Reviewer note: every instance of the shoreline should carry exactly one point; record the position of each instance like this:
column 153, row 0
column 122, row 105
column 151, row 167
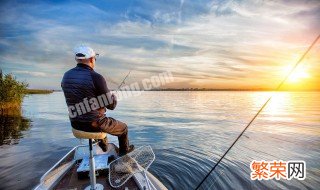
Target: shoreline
column 13, row 108
column 207, row 90
column 39, row 91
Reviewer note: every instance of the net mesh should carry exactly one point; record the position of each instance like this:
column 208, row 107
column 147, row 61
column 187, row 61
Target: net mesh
column 123, row 168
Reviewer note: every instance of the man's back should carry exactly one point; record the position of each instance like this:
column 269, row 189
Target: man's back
column 78, row 84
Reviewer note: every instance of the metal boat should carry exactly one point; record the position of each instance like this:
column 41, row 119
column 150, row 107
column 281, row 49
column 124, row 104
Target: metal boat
column 74, row 169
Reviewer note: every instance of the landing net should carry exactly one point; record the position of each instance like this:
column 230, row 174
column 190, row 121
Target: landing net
column 123, row 168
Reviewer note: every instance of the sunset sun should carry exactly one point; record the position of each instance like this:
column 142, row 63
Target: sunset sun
column 298, row 75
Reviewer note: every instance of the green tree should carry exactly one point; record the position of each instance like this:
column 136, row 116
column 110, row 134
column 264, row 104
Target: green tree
column 12, row 91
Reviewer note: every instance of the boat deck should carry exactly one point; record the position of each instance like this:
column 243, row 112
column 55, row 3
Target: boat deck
column 71, row 181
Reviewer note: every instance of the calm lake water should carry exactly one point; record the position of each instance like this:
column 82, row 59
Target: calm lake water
column 189, row 131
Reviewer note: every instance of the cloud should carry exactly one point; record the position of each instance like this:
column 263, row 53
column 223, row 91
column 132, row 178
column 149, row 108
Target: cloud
column 35, row 74
column 214, row 42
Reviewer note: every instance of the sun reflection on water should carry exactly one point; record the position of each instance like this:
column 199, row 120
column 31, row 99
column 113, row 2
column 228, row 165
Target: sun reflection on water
column 279, row 103
column 284, row 114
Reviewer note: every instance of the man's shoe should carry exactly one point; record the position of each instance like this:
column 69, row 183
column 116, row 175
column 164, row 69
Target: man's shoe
column 130, row 149
column 103, row 144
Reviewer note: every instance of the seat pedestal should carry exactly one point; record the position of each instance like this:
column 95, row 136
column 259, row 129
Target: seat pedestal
column 93, row 184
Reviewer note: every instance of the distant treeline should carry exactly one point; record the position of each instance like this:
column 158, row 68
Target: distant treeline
column 38, row 91
column 227, row 89
column 206, row 89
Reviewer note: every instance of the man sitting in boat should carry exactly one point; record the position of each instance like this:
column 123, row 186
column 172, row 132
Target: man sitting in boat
column 88, row 97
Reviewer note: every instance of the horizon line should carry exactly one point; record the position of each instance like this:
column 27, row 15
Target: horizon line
column 203, row 89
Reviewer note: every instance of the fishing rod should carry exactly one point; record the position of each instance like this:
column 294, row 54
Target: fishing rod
column 256, row 115
column 123, row 81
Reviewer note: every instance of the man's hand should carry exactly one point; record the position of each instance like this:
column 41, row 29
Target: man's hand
column 114, row 103
column 102, row 111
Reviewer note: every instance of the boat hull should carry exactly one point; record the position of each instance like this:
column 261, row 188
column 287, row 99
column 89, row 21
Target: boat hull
column 63, row 175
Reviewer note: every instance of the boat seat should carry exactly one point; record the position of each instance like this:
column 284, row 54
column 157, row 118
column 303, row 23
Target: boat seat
column 88, row 135
column 91, row 135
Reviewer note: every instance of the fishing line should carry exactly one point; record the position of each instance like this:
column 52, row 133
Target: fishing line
column 255, row 116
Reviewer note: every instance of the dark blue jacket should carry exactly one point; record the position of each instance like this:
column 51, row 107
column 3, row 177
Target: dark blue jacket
column 79, row 83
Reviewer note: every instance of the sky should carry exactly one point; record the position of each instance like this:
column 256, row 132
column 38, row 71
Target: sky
column 221, row 44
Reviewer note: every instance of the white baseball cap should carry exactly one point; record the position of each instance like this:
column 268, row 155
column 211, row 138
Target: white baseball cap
column 84, row 52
